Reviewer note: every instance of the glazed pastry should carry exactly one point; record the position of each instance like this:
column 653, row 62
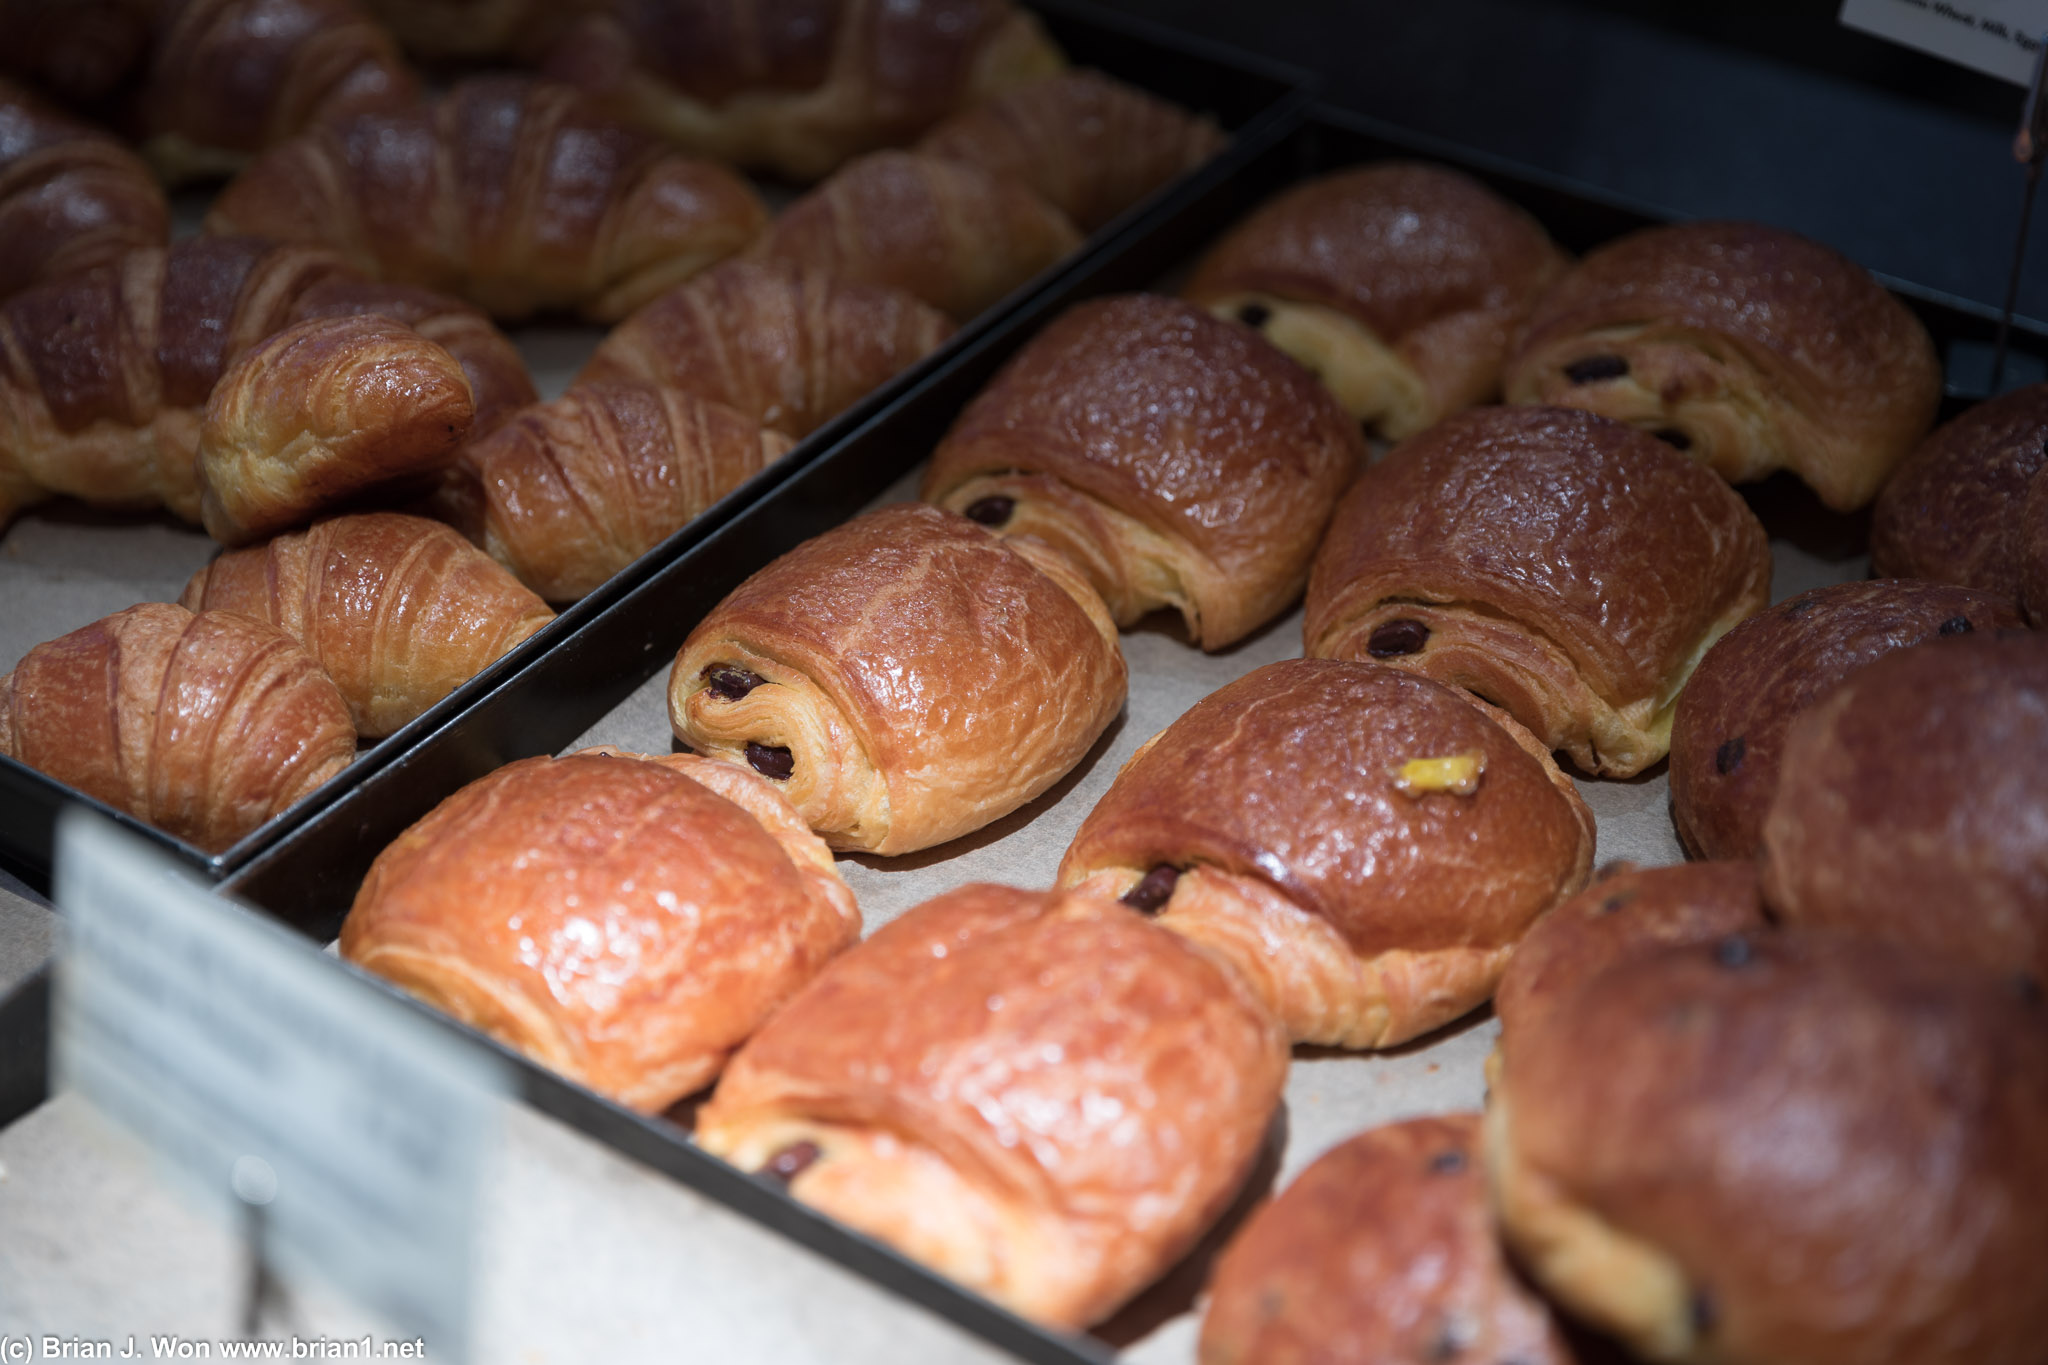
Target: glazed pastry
column 953, row 235
column 1569, row 569
column 1400, row 285
column 71, row 197
column 1728, row 732
column 797, row 88
column 1089, row 145
column 566, row 494
column 624, row 921
column 2033, row 538
column 1383, row 1250
column 204, row 726
column 1365, row 846
column 400, row 610
column 320, row 412
column 1177, row 460
column 1074, row 1098
column 505, row 191
column 906, row 678
column 1952, row 512
column 1911, row 803
column 1787, row 1147
column 789, row 347
column 1749, row 347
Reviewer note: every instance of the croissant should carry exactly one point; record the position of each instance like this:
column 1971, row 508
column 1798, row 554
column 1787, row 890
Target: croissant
column 71, row 196
column 788, row 346
column 1087, row 144
column 400, row 610
column 506, row 191
column 908, row 677
column 566, row 494
column 625, row 921
column 228, row 79
column 1039, row 1095
column 205, row 726
column 798, row 87
column 953, row 235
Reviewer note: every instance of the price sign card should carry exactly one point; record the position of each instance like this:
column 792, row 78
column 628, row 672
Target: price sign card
column 345, row 1132
column 1997, row 37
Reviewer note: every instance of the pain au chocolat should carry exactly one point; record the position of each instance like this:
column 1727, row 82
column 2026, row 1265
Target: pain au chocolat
column 1569, row 569
column 1401, row 285
column 624, row 920
column 1749, row 347
column 1073, row 1096
column 1364, row 845
column 1179, row 460
column 904, row 678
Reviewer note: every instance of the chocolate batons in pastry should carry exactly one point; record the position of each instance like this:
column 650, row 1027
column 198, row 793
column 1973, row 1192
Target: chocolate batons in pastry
column 204, row 726
column 400, row 610
column 320, row 412
column 1912, row 801
column 1569, row 569
column 72, row 196
column 1180, row 461
column 1784, row 1147
column 1400, row 285
column 1073, row 1098
column 791, row 347
column 1087, row 144
column 1751, row 348
column 626, row 921
column 1381, row 1251
column 1728, row 732
column 1364, row 845
column 906, row 678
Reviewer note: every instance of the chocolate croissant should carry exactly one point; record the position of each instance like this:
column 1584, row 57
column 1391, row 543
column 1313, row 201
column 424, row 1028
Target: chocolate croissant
column 1365, row 846
column 1567, row 568
column 566, row 494
column 1089, row 145
column 1401, row 285
column 1074, row 1097
column 906, row 678
column 1750, row 347
column 788, row 346
column 506, row 191
column 400, row 610
column 204, row 726
column 320, row 412
column 1178, row 460
column 624, row 920
column 71, row 196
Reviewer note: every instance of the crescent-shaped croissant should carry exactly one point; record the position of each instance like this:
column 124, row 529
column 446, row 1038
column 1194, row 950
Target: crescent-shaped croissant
column 71, row 196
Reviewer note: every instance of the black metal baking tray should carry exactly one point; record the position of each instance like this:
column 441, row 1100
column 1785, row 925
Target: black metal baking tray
column 1258, row 102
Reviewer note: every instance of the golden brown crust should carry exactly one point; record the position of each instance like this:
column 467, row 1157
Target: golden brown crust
column 611, row 917
column 1763, row 350
column 71, row 196
column 1786, row 1147
column 400, row 610
column 788, row 346
column 1093, row 1089
column 1911, row 803
column 1382, row 1251
column 921, row 677
column 205, row 726
column 1565, row 567
column 1728, row 733
column 1952, row 511
column 1176, row 458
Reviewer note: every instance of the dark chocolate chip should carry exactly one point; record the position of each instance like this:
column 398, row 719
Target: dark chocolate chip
column 1396, row 638
column 1957, row 625
column 1154, row 890
column 1617, row 901
column 775, row 763
column 792, row 1161
column 1447, row 1162
column 729, row 683
column 1254, row 314
column 1734, row 951
column 2028, row 989
column 991, row 511
column 1595, row 368
column 1729, row 756
column 1673, row 437
column 1704, row 1315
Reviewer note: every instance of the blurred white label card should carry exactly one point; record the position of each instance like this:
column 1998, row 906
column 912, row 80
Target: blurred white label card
column 272, row 1080
column 1997, row 37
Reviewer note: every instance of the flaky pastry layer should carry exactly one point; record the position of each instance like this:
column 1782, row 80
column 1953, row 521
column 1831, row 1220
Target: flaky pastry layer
column 1374, row 382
